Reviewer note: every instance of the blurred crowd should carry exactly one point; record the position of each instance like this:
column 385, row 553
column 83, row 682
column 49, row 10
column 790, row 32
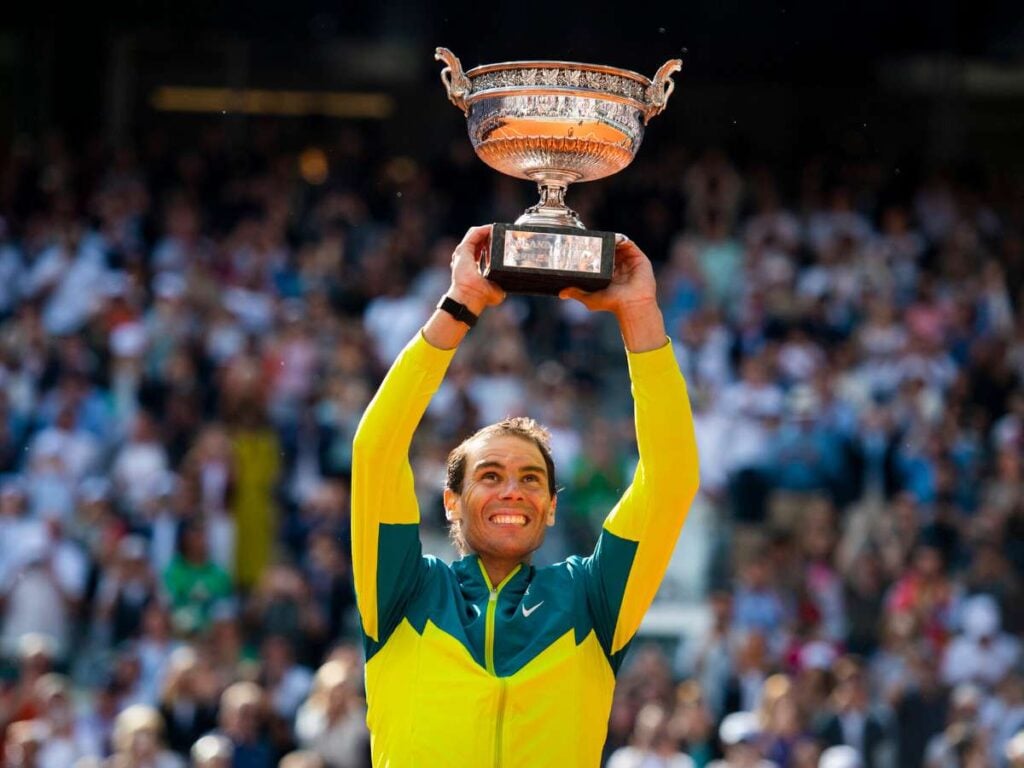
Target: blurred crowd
column 189, row 335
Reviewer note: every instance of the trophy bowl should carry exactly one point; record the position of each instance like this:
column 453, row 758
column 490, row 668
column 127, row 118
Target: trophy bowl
column 555, row 122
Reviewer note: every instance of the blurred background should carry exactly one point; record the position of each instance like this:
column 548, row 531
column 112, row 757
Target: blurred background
column 219, row 225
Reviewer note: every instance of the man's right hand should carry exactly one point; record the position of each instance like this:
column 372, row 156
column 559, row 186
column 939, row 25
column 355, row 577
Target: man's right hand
column 468, row 286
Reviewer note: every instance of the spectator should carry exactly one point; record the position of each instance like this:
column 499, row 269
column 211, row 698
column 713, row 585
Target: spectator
column 281, row 605
column 207, row 477
column 141, row 464
column 780, row 719
column 709, row 660
column 652, row 743
column 331, row 721
column 982, row 654
column 187, row 706
column 42, row 595
column 921, row 711
column 194, row 583
column 850, row 721
column 945, row 749
column 758, row 606
column 65, row 742
column 243, row 722
column 138, row 740
column 740, row 734
column 126, row 590
column 285, row 682
column 693, row 724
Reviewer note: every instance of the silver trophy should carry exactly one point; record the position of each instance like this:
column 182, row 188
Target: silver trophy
column 555, row 123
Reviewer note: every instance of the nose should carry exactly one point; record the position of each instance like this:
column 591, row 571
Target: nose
column 512, row 489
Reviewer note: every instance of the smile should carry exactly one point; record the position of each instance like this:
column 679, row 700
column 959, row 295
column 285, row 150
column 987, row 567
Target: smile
column 508, row 519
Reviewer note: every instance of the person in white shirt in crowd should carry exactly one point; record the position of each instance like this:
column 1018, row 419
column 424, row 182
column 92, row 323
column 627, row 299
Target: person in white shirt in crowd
column 78, row 449
column 68, row 277
column 982, row 653
column 393, row 317
column 141, row 464
column 754, row 404
column 740, row 733
column 48, row 483
column 43, row 588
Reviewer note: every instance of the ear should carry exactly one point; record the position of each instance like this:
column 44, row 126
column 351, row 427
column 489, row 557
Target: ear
column 452, row 505
column 550, row 520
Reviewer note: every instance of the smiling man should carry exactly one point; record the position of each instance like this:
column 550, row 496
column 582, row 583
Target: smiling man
column 491, row 661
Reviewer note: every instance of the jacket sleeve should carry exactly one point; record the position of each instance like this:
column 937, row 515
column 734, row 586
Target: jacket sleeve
column 386, row 552
column 640, row 533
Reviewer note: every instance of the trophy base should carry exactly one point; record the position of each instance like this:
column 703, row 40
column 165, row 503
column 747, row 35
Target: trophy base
column 544, row 260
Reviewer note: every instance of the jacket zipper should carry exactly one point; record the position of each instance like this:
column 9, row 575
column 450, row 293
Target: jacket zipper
column 492, row 606
column 500, row 723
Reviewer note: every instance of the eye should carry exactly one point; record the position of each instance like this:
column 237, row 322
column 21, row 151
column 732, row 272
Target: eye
column 489, row 477
column 531, row 478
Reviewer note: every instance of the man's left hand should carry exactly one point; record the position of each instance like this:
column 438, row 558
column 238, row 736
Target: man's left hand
column 631, row 296
column 632, row 286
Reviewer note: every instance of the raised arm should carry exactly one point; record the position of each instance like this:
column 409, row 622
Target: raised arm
column 640, row 534
column 386, row 559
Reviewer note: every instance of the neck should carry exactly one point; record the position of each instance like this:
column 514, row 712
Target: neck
column 497, row 569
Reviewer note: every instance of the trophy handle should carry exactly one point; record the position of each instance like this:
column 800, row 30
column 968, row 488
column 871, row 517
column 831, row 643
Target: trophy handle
column 660, row 89
column 455, row 82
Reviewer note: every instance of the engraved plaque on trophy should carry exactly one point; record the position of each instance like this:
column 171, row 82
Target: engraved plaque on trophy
column 555, row 123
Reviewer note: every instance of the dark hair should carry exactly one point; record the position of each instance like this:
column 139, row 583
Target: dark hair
column 520, row 426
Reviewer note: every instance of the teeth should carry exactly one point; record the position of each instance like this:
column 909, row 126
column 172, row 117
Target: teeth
column 509, row 519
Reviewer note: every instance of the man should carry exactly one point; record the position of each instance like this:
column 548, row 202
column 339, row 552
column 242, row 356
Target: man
column 850, row 721
column 491, row 661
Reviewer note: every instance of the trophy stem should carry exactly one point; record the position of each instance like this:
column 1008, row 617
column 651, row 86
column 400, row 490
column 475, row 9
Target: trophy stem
column 551, row 210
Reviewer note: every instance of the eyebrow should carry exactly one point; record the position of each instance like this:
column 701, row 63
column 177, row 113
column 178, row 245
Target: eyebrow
column 498, row 465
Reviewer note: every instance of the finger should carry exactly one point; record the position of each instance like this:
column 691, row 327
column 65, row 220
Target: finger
column 476, row 237
column 626, row 246
column 497, row 293
column 583, row 297
column 628, row 254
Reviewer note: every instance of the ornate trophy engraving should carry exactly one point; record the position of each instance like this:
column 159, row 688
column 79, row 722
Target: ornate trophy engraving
column 555, row 123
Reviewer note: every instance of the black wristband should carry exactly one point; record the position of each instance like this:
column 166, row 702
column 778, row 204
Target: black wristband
column 457, row 310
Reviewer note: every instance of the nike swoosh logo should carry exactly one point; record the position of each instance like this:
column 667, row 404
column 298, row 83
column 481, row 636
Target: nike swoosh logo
column 527, row 612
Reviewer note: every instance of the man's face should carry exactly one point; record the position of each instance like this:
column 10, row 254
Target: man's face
column 505, row 507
